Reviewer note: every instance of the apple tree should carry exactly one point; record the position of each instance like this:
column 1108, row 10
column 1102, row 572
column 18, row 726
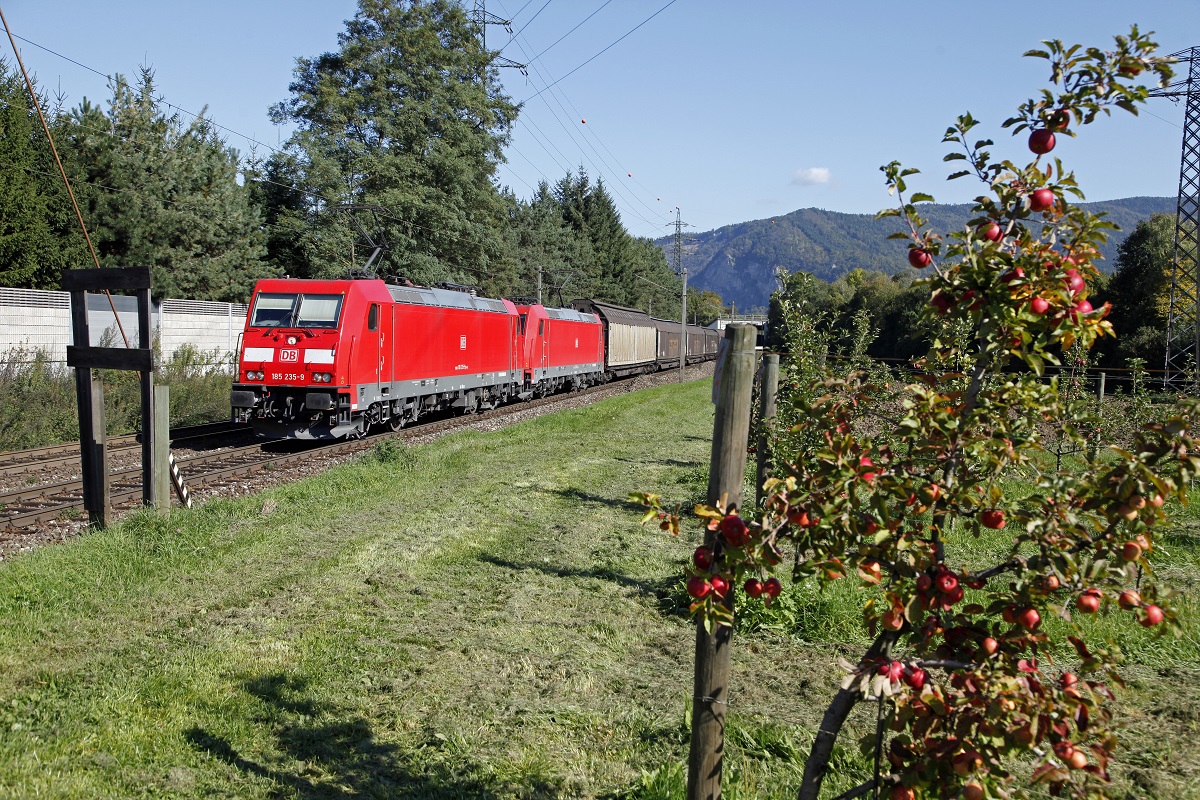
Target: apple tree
column 961, row 656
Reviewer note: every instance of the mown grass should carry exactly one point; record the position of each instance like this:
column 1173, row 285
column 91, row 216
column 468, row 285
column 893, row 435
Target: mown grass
column 481, row 616
column 476, row 617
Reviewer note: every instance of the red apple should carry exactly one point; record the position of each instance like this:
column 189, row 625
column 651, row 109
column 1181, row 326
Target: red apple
column 991, row 231
column 971, row 791
column 924, row 582
column 798, row 517
column 974, row 302
column 1039, row 305
column 1059, row 120
column 1154, row 615
column 753, row 587
column 734, row 530
column 1068, row 679
column 1137, row 502
column 1077, row 760
column 1041, row 141
column 703, row 557
column 1129, row 600
column 698, row 588
column 919, row 258
column 946, row 582
column 720, row 585
column 916, row 678
column 1088, row 603
column 901, row 793
column 941, row 302
column 1131, row 551
column 1081, row 308
column 1157, row 501
column 1029, row 618
column 1075, row 282
column 992, row 518
column 1014, row 274
column 1050, row 583
column 989, row 646
column 1041, row 200
column 772, row 587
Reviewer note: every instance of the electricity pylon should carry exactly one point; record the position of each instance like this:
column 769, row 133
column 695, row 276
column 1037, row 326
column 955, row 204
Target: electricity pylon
column 482, row 18
column 1183, row 332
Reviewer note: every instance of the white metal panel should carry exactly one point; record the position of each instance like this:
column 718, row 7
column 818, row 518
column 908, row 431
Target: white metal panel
column 630, row 344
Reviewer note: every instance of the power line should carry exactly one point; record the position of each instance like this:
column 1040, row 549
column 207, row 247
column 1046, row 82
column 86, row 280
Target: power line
column 616, row 184
column 605, row 50
column 160, row 99
column 568, row 33
column 521, row 30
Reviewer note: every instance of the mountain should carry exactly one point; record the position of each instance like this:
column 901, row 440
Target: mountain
column 738, row 261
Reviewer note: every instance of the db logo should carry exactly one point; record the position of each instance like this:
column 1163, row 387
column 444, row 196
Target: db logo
column 289, row 355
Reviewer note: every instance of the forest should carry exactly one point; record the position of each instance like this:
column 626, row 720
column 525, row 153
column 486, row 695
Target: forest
column 392, row 165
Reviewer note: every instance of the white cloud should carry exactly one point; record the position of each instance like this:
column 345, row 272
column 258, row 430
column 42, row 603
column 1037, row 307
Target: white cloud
column 811, row 176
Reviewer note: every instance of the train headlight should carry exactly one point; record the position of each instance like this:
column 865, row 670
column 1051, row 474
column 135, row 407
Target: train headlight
column 322, row 377
column 251, row 375
column 292, row 340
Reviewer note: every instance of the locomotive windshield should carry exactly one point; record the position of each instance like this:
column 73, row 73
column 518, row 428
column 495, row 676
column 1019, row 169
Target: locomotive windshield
column 277, row 310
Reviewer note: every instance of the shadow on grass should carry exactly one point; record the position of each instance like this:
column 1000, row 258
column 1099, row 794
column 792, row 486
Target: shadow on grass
column 662, row 591
column 665, row 462
column 349, row 761
column 580, row 496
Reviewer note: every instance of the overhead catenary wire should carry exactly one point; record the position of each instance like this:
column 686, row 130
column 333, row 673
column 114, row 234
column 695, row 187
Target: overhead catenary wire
column 605, row 50
column 33, row 98
column 615, row 184
column 520, row 30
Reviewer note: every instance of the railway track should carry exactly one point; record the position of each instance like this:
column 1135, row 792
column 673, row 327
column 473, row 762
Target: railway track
column 50, row 457
column 30, row 506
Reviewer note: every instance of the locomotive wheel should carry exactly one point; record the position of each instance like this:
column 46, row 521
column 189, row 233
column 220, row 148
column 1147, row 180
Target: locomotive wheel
column 396, row 422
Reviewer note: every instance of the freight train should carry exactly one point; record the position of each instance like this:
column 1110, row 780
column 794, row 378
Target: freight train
column 330, row 359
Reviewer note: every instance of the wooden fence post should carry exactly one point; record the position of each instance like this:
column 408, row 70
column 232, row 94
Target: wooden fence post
column 767, row 390
column 1100, row 394
column 727, row 473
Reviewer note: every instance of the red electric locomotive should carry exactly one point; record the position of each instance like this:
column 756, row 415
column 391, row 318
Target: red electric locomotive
column 322, row 359
column 563, row 348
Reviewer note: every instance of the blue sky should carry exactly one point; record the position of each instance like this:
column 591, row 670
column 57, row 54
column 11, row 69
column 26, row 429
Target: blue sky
column 731, row 111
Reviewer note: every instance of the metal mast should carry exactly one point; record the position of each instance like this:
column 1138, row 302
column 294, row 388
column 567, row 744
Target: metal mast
column 482, row 19
column 677, row 265
column 1183, row 332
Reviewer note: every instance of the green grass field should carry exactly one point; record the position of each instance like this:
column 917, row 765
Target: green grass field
column 477, row 617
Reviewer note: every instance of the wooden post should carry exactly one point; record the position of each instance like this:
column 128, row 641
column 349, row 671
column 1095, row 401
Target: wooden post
column 767, row 390
column 160, row 473
column 93, row 448
column 727, row 472
column 1100, row 392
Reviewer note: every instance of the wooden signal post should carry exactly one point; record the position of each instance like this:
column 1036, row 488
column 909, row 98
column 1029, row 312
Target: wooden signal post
column 90, row 394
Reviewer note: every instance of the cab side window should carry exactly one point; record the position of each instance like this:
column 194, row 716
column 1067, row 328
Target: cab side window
column 373, row 317
column 541, row 327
